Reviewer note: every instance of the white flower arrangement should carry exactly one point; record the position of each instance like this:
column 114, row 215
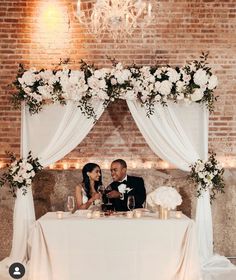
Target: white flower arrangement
column 167, row 197
column 148, row 84
column 208, row 175
column 20, row 173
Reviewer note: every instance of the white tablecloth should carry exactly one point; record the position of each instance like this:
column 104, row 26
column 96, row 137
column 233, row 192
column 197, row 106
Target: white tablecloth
column 115, row 248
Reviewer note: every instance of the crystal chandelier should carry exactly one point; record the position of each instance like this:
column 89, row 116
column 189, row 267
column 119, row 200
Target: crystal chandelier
column 115, row 18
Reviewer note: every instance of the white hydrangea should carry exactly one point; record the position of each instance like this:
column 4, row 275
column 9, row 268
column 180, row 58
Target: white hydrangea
column 213, row 82
column 200, row 77
column 165, row 87
column 174, row 76
column 167, row 197
column 197, row 94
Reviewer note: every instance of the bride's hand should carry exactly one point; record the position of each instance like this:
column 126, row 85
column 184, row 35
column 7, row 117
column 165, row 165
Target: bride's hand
column 96, row 196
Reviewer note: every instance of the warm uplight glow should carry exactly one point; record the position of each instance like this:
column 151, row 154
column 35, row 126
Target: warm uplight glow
column 51, row 17
column 2, row 164
column 52, row 31
column 164, row 165
column 65, row 165
column 228, row 162
column 51, row 166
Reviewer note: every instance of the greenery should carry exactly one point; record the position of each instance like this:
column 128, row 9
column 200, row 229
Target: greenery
column 148, row 84
column 20, row 173
column 208, row 175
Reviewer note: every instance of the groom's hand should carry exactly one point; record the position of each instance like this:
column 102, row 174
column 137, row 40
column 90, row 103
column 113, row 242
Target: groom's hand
column 113, row 194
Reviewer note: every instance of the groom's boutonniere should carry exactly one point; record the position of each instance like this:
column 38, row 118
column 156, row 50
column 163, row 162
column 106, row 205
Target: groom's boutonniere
column 122, row 188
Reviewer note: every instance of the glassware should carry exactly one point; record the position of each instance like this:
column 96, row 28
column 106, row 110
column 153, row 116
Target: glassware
column 107, row 190
column 101, row 189
column 70, row 203
column 131, row 202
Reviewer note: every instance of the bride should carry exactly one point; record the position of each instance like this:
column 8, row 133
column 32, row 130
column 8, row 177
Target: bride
column 86, row 193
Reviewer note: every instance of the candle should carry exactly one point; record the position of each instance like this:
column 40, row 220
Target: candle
column 59, row 214
column 78, row 7
column 89, row 215
column 149, row 10
column 129, row 214
column 138, row 214
column 178, row 214
column 96, row 214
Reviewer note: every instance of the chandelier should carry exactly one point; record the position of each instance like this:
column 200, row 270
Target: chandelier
column 114, row 18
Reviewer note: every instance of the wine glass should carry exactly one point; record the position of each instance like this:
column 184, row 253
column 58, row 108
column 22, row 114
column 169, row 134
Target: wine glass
column 101, row 189
column 70, row 203
column 131, row 202
column 107, row 190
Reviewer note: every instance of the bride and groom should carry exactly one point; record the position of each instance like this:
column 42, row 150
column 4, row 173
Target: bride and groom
column 122, row 186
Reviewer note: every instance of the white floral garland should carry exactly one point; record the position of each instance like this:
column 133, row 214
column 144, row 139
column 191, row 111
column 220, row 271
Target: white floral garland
column 148, row 84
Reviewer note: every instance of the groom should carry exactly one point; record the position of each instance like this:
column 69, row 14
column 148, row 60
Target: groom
column 124, row 185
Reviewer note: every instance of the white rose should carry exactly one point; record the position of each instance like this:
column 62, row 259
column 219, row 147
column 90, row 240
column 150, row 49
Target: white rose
column 18, row 178
column 113, row 81
column 119, row 66
column 28, row 181
column 213, row 82
column 180, row 86
column 180, row 96
column 201, row 175
column 186, row 78
column 174, row 76
column 200, row 77
column 45, row 91
column 197, row 94
column 28, row 78
column 200, row 166
column 157, row 85
column 46, row 75
column 99, row 74
column 157, row 97
column 28, row 166
column 165, row 87
column 158, row 73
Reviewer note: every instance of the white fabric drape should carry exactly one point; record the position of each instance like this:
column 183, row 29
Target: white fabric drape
column 178, row 133
column 50, row 135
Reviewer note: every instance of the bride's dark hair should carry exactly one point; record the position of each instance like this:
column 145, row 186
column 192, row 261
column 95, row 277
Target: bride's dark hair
column 89, row 167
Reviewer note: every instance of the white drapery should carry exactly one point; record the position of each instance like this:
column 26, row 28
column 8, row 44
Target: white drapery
column 50, row 135
column 178, row 133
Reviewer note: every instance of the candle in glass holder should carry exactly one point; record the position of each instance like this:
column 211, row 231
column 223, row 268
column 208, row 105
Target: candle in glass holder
column 178, row 214
column 89, row 215
column 129, row 214
column 96, row 214
column 138, row 214
column 59, row 214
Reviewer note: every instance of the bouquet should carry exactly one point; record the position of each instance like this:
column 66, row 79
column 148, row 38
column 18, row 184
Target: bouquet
column 165, row 196
column 20, row 173
column 208, row 175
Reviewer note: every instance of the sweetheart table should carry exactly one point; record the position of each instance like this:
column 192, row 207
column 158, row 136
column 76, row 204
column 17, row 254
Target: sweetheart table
column 113, row 248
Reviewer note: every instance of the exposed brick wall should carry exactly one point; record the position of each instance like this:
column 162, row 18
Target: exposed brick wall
column 183, row 29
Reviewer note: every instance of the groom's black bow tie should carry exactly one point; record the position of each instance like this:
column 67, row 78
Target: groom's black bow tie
column 123, row 182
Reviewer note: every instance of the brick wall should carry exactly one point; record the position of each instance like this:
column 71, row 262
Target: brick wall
column 182, row 30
